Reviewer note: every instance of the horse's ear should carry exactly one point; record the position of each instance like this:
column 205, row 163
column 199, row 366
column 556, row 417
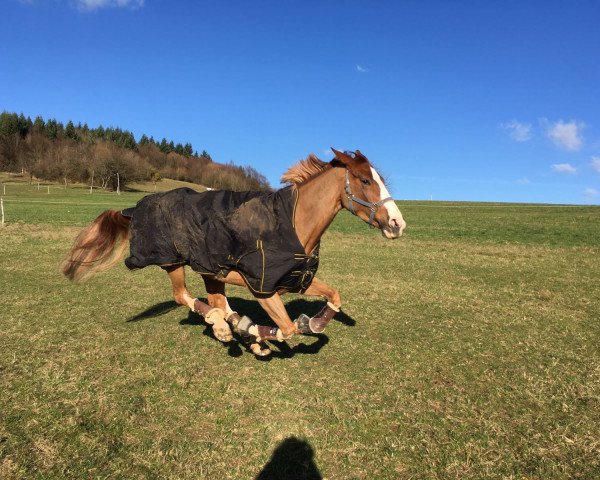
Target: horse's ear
column 342, row 157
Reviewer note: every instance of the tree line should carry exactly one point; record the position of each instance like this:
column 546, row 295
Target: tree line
column 49, row 150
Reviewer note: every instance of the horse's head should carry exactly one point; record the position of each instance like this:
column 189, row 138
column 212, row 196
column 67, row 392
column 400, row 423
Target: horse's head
column 366, row 195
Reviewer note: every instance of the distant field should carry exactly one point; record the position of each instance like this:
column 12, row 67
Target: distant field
column 470, row 348
column 73, row 205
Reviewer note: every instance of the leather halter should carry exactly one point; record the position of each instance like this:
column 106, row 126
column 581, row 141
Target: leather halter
column 370, row 205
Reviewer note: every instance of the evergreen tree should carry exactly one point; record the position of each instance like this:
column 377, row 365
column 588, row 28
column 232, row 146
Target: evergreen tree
column 98, row 132
column 70, row 131
column 9, row 124
column 164, row 146
column 52, row 128
column 23, row 125
column 39, row 125
column 128, row 140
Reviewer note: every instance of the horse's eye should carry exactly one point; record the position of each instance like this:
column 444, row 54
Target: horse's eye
column 366, row 182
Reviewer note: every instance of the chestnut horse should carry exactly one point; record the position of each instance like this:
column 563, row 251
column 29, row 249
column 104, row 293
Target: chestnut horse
column 321, row 190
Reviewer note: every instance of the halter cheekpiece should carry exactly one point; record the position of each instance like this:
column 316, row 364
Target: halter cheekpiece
column 373, row 206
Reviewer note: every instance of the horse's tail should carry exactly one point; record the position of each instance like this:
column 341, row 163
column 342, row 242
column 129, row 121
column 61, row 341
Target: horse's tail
column 98, row 247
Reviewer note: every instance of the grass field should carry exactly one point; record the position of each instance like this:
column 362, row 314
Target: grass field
column 470, row 348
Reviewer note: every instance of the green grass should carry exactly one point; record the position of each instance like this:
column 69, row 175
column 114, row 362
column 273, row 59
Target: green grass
column 74, row 205
column 470, row 348
column 559, row 225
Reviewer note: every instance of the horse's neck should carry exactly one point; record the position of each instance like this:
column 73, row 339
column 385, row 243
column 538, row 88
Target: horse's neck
column 319, row 200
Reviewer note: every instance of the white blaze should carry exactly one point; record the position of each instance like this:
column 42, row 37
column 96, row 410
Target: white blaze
column 390, row 205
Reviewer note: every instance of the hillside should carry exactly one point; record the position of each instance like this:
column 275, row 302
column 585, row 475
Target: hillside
column 164, row 184
column 110, row 158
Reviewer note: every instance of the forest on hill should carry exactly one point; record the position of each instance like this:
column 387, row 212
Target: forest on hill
column 49, row 150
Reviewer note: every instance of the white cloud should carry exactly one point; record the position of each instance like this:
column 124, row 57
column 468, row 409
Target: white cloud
column 566, row 135
column 524, row 181
column 590, row 193
column 596, row 164
column 89, row 5
column 519, row 132
column 361, row 69
column 564, row 168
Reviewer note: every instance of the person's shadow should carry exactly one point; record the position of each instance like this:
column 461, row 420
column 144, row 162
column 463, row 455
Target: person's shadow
column 293, row 459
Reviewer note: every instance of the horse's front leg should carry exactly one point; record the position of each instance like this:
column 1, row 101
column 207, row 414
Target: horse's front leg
column 273, row 305
column 318, row 323
column 258, row 334
column 275, row 308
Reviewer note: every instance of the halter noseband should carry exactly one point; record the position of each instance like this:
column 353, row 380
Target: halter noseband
column 372, row 206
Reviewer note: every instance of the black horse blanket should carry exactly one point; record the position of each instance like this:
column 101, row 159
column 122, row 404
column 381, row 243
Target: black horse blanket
column 218, row 231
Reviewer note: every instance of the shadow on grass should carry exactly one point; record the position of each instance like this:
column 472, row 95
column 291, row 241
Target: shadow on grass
column 293, row 459
column 253, row 310
column 155, row 311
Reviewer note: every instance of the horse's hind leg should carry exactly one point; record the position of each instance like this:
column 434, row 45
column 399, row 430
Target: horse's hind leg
column 215, row 290
column 213, row 316
column 180, row 292
column 318, row 323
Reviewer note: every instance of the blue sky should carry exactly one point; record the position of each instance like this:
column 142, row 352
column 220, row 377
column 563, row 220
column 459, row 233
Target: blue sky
column 451, row 100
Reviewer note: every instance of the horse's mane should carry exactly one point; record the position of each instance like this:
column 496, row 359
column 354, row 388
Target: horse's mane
column 304, row 170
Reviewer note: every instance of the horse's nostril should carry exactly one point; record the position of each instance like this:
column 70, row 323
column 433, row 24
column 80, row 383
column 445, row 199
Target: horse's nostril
column 396, row 223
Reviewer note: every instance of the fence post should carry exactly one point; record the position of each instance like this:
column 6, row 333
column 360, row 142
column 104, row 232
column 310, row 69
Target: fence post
column 2, row 210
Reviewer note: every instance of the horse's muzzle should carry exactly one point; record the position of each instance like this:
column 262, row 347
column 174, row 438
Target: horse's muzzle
column 390, row 233
column 394, row 229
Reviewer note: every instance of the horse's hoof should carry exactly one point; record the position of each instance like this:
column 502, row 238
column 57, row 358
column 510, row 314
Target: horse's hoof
column 260, row 349
column 222, row 331
column 220, row 328
column 303, row 324
column 317, row 325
